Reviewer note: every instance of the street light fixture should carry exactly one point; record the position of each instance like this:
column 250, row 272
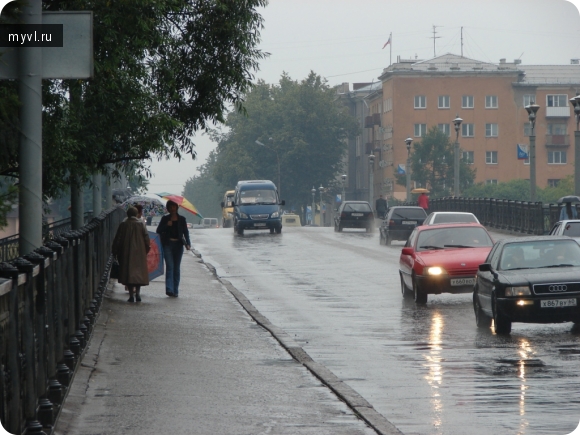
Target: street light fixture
column 457, row 122
column 343, row 198
column 321, row 189
column 532, row 109
column 371, row 178
column 313, row 205
column 277, row 160
column 408, row 142
column 575, row 101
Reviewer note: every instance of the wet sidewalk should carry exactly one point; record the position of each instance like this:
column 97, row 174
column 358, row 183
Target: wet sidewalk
column 199, row 364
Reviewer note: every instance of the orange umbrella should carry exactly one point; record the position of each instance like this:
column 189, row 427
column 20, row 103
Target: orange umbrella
column 183, row 203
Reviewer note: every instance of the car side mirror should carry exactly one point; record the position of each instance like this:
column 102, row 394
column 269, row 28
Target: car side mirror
column 485, row 267
column 407, row 251
column 282, row 202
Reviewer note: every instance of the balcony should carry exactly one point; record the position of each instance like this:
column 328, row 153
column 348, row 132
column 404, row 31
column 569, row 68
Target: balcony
column 558, row 112
column 368, row 122
column 557, row 140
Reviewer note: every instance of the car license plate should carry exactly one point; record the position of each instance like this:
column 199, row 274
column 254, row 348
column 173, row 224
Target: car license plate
column 357, row 214
column 463, row 281
column 557, row 303
column 409, row 222
column 260, row 225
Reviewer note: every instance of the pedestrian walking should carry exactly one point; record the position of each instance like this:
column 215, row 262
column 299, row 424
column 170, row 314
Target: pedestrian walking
column 568, row 212
column 381, row 206
column 423, row 201
column 131, row 245
column 174, row 236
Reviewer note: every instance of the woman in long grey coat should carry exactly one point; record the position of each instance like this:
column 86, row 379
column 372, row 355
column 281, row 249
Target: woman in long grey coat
column 130, row 246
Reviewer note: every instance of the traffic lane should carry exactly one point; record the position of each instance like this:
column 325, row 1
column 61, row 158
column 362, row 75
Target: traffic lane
column 427, row 369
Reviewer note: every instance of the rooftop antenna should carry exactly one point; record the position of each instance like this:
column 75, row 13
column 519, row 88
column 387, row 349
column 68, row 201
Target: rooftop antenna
column 434, row 38
column 461, row 41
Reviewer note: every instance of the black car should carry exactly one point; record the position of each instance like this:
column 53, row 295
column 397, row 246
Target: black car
column 529, row 279
column 400, row 223
column 354, row 214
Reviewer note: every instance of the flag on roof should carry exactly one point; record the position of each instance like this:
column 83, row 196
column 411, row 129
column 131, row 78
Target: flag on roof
column 388, row 42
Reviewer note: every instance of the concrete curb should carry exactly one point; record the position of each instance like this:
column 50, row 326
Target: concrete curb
column 349, row 396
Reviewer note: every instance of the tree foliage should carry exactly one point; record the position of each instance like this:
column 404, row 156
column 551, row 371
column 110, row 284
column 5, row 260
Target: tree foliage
column 432, row 162
column 308, row 132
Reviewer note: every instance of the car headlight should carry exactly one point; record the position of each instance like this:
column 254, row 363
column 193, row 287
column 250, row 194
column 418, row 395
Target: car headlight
column 275, row 214
column 436, row 270
column 518, row 291
column 243, row 215
column 230, row 215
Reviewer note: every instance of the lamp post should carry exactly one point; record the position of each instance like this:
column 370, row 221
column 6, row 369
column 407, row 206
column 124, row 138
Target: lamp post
column 277, row 160
column 532, row 109
column 371, row 178
column 575, row 101
column 343, row 198
column 408, row 142
column 313, row 204
column 457, row 122
column 321, row 189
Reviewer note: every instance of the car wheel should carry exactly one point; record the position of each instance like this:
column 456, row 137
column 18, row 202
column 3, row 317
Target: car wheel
column 502, row 324
column 482, row 320
column 271, row 230
column 404, row 290
column 370, row 228
column 419, row 295
column 339, row 228
column 278, row 230
column 240, row 231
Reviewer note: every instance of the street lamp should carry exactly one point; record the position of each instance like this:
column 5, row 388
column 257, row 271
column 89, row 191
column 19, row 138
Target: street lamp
column 457, row 122
column 371, row 178
column 532, row 109
column 321, row 189
column 313, row 205
column 277, row 160
column 575, row 101
column 408, row 142
column 343, row 192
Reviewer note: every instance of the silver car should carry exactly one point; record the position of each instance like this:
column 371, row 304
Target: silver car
column 449, row 217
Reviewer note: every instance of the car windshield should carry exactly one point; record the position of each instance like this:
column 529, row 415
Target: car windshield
column 572, row 229
column 538, row 254
column 451, row 217
column 453, row 237
column 408, row 213
column 357, row 207
column 258, row 197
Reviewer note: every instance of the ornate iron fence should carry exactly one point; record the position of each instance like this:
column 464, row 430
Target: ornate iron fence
column 49, row 300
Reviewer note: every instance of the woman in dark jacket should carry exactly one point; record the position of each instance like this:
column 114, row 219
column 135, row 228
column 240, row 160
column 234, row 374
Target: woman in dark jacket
column 174, row 235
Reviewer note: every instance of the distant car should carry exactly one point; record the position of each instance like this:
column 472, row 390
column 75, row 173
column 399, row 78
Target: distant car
column 291, row 220
column 442, row 259
column 400, row 223
column 528, row 279
column 570, row 228
column 210, row 223
column 189, row 225
column 354, row 214
column 448, row 217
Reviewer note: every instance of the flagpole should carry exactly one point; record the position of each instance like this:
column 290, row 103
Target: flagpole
column 391, row 49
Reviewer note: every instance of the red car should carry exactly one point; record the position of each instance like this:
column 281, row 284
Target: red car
column 442, row 259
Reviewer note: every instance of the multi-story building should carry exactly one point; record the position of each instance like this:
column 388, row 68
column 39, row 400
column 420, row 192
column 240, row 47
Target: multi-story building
column 490, row 98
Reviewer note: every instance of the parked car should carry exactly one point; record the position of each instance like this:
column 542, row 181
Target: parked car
column 449, row 217
column 529, row 279
column 354, row 214
column 400, row 223
column 570, row 228
column 291, row 220
column 442, row 259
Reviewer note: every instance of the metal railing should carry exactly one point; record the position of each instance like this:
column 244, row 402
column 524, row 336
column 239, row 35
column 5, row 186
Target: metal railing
column 49, row 301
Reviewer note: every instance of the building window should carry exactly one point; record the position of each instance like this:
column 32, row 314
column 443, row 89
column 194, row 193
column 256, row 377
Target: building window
column 557, row 157
column 529, row 99
column 444, row 128
column 527, row 129
column 491, row 157
column 420, row 130
column 553, row 182
column 420, row 102
column 468, row 157
column 560, row 100
column 491, row 181
column 444, row 101
column 467, row 130
column 467, row 102
column 557, row 129
column 491, row 102
column 490, row 130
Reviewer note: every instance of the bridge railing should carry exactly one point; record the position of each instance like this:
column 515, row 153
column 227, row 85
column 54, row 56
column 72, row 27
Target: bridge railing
column 49, row 300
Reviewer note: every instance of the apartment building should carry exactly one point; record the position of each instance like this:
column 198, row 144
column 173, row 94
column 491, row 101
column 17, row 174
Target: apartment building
column 490, row 98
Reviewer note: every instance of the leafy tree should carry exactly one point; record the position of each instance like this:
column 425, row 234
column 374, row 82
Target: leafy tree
column 307, row 130
column 432, row 165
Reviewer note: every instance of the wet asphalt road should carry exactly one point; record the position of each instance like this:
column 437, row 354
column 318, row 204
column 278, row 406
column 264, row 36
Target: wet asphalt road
column 428, row 369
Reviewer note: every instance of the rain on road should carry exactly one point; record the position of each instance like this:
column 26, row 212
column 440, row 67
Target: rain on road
column 428, row 369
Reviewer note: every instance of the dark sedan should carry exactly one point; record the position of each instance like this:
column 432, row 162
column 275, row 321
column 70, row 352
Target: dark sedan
column 400, row 223
column 354, row 214
column 531, row 280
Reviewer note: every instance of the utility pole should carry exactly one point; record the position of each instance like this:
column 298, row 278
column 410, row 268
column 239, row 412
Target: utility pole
column 434, row 38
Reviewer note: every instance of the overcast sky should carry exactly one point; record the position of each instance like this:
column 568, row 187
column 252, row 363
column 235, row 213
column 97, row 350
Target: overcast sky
column 342, row 40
